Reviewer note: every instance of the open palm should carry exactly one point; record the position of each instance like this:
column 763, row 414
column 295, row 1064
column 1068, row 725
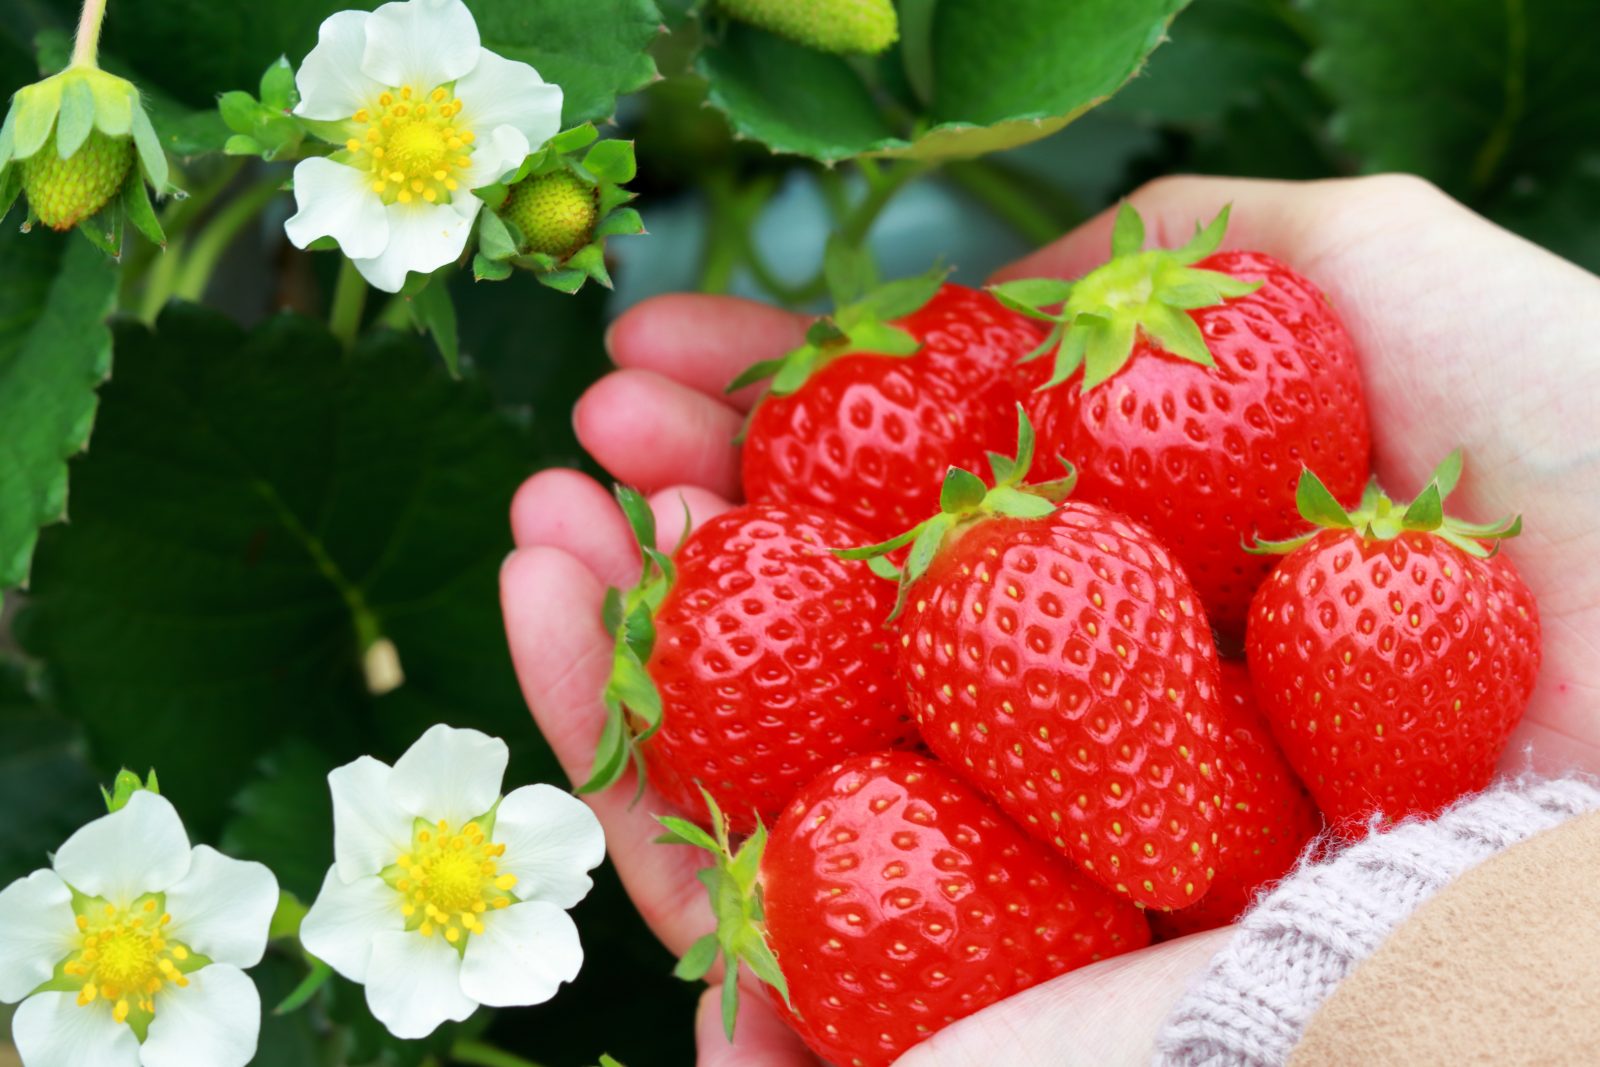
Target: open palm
column 1468, row 336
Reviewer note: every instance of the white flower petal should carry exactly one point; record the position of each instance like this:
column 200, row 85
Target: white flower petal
column 522, row 957
column 370, row 831
column 500, row 150
column 450, row 774
column 36, row 932
column 551, row 839
column 505, row 92
column 414, row 984
column 337, row 201
column 422, row 237
column 140, row 849
column 223, row 907
column 214, row 1022
column 331, row 83
column 420, row 43
column 345, row 919
column 51, row 1030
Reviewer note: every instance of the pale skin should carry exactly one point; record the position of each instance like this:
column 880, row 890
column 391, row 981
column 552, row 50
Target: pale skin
column 1468, row 336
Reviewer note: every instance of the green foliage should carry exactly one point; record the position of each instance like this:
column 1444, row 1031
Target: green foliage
column 1474, row 97
column 43, row 773
column 256, row 510
column 194, row 49
column 54, row 350
column 995, row 76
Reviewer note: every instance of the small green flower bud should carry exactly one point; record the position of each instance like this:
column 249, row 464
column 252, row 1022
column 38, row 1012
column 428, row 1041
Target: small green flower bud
column 556, row 212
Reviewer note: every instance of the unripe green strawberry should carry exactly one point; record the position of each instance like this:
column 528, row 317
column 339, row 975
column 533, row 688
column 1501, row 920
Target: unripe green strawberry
column 556, row 212
column 63, row 192
column 845, row 27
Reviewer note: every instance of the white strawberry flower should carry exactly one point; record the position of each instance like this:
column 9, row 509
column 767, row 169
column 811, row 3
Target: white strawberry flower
column 130, row 951
column 425, row 115
column 445, row 895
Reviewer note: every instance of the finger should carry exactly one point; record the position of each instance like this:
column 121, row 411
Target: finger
column 680, row 508
column 568, row 510
column 650, row 431
column 1279, row 218
column 761, row 1039
column 562, row 657
column 703, row 341
column 1106, row 1013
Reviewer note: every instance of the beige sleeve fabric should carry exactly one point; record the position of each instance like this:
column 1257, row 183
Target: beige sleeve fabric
column 1501, row 967
column 1256, row 1001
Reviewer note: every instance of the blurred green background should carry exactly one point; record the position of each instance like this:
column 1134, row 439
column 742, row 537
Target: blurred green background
column 176, row 620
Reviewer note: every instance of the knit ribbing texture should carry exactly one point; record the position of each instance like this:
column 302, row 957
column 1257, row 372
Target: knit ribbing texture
column 1254, row 1000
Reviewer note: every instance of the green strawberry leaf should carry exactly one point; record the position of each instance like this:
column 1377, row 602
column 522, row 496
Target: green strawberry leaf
column 596, row 51
column 991, row 77
column 55, row 349
column 258, row 511
column 1498, row 102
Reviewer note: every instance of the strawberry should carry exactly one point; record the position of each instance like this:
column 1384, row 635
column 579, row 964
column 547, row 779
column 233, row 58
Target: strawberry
column 843, row 27
column 1266, row 822
column 1392, row 651
column 64, row 192
column 555, row 212
column 865, row 418
column 1056, row 655
column 1209, row 379
column 748, row 661
column 891, row 900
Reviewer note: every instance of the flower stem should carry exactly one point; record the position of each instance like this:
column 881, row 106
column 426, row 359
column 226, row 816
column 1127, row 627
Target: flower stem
column 482, row 1054
column 349, row 298
column 86, row 49
column 218, row 234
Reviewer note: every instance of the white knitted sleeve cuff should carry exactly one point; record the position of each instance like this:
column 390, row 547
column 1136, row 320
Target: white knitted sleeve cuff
column 1253, row 1002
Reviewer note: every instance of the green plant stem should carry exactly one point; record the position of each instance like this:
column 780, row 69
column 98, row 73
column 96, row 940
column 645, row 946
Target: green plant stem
column 881, row 188
column 86, row 47
column 723, row 237
column 482, row 1054
column 159, row 280
column 349, row 298
column 207, row 249
column 156, row 268
column 998, row 192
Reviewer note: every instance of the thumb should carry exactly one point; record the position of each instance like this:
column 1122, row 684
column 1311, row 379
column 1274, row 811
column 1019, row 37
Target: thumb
column 1288, row 220
column 761, row 1040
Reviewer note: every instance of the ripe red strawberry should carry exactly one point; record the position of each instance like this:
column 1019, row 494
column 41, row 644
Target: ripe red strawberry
column 891, row 900
column 1056, row 655
column 1392, row 652
column 865, row 419
column 1266, row 822
column 1209, row 380
column 748, row 661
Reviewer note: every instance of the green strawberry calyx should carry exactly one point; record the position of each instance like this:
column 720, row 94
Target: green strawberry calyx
column 1102, row 314
column 88, row 119
column 734, row 886
column 553, row 214
column 965, row 499
column 1378, row 518
column 633, row 704
column 861, row 325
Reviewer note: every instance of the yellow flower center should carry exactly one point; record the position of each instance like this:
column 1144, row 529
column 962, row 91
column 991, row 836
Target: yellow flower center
column 123, row 957
column 411, row 145
column 449, row 880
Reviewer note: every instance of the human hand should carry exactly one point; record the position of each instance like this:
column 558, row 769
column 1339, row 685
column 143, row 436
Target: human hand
column 1468, row 336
